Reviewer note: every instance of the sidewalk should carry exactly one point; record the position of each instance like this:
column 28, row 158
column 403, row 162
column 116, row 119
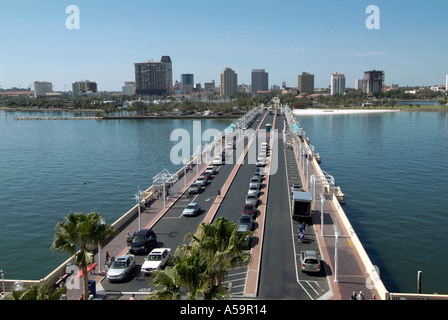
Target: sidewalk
column 117, row 245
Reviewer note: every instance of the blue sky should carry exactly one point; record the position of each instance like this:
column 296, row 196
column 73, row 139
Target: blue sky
column 285, row 37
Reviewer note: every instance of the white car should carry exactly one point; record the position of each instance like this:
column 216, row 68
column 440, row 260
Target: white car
column 261, row 162
column 253, row 191
column 121, row 268
column 156, row 260
column 192, row 209
column 210, row 170
column 217, row 160
column 201, row 181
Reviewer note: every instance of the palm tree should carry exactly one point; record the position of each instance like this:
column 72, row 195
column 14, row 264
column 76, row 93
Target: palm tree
column 35, row 292
column 77, row 234
column 221, row 240
column 198, row 268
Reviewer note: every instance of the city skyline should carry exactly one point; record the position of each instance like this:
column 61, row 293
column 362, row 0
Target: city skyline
column 285, row 39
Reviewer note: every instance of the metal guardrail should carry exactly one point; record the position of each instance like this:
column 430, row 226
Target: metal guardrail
column 416, row 296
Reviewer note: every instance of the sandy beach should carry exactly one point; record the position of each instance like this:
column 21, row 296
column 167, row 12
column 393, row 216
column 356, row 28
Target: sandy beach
column 312, row 112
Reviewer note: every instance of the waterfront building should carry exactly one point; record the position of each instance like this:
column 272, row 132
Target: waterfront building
column 209, row 86
column 84, row 87
column 187, row 80
column 229, row 80
column 373, row 81
column 259, row 80
column 150, row 78
column 41, row 88
column 166, row 60
column 359, row 84
column 337, row 83
column 389, row 87
column 306, row 83
column 129, row 88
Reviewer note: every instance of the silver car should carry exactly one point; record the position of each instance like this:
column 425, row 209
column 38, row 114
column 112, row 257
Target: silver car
column 121, row 268
column 192, row 209
column 309, row 261
column 251, row 199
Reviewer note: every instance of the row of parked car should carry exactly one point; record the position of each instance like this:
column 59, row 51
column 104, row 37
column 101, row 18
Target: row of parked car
column 143, row 241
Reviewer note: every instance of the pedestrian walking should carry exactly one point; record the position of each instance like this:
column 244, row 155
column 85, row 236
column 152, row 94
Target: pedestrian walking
column 132, row 297
column 353, row 297
column 107, row 256
column 360, row 296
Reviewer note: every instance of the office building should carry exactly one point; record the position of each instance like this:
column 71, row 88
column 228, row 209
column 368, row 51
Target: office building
column 150, row 78
column 84, row 87
column 41, row 88
column 337, row 83
column 166, row 60
column 187, row 82
column 259, row 80
column 373, row 81
column 229, row 80
column 306, row 83
column 129, row 88
column 209, row 86
column 359, row 84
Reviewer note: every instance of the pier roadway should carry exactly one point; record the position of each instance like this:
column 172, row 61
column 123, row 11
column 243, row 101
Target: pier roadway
column 274, row 270
column 169, row 225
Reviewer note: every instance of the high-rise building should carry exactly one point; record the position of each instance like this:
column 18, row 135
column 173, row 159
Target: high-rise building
column 209, row 86
column 337, row 83
column 41, row 88
column 150, row 78
column 259, row 80
column 84, row 87
column 306, row 83
column 166, row 60
column 129, row 88
column 373, row 81
column 359, row 84
column 229, row 80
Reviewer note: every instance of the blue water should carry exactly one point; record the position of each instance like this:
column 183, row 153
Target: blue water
column 391, row 166
column 51, row 168
column 393, row 169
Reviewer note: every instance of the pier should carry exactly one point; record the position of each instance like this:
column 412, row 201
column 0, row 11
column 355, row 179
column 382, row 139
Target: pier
column 272, row 273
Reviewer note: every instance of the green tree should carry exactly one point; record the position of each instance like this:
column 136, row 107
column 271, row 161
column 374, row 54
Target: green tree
column 77, row 235
column 197, row 269
column 36, row 292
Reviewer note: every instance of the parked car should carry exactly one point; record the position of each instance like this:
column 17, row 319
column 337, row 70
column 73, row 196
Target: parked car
column 245, row 223
column 207, row 175
column 194, row 188
column 309, row 261
column 201, row 180
column 255, row 183
column 249, row 209
column 265, row 145
column 218, row 160
column 156, row 260
column 261, row 162
column 295, row 187
column 258, row 176
column 121, row 268
column 192, row 209
column 143, row 241
column 253, row 191
column 210, row 170
column 250, row 199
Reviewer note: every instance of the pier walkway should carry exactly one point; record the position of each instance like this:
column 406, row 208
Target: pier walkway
column 349, row 272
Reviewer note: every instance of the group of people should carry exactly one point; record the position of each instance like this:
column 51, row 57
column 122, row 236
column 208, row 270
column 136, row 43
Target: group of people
column 360, row 296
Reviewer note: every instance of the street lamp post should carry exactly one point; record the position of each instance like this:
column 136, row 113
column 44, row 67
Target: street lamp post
column 336, row 241
column 101, row 223
column 3, row 281
column 138, row 198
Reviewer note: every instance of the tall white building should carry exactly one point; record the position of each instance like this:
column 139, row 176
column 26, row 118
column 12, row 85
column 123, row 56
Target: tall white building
column 41, row 88
column 129, row 88
column 359, row 84
column 337, row 83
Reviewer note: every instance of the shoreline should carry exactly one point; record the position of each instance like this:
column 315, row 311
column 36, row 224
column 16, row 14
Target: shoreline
column 335, row 111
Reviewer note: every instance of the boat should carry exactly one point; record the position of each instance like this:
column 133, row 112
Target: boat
column 339, row 195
